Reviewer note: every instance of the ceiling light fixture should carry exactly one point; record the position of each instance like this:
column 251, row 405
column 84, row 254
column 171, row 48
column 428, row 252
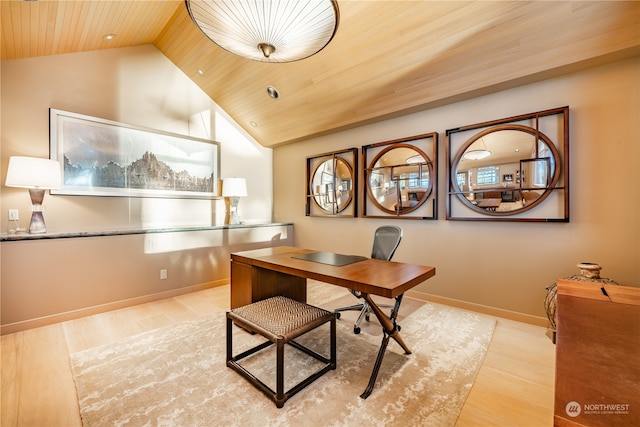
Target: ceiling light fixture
column 109, row 36
column 477, row 154
column 267, row 30
column 416, row 158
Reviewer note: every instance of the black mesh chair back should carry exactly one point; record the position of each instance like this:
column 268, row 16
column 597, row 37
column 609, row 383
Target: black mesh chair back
column 385, row 242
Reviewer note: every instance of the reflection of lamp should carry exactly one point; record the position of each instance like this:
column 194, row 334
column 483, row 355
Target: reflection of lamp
column 267, row 31
column 37, row 175
column 479, row 154
column 234, row 188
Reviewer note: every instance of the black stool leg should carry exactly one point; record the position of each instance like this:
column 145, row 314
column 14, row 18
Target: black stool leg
column 332, row 345
column 229, row 339
column 280, row 398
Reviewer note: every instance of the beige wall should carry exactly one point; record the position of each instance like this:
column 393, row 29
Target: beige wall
column 46, row 279
column 137, row 86
column 504, row 265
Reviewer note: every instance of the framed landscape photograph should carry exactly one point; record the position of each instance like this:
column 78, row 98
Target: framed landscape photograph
column 100, row 157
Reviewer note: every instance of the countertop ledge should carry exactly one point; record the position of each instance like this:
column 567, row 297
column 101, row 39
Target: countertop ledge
column 8, row 237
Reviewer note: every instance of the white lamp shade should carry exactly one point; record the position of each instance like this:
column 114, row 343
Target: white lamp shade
column 234, row 187
column 32, row 172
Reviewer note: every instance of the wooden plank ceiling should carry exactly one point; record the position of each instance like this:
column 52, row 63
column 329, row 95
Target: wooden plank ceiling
column 387, row 57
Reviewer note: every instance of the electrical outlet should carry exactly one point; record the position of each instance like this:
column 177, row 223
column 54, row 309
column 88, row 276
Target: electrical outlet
column 163, row 274
column 14, row 215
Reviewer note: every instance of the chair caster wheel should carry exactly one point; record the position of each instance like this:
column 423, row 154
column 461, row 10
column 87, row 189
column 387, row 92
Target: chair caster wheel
column 337, row 315
column 367, row 318
column 356, row 330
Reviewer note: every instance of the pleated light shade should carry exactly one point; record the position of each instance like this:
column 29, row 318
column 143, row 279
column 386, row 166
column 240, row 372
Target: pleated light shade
column 267, row 30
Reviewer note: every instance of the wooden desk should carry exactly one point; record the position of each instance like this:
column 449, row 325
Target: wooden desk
column 263, row 273
column 489, row 204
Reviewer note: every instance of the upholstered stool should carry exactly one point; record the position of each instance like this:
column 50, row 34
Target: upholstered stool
column 280, row 320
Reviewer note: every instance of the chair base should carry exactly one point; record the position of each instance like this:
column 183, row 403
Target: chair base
column 365, row 312
column 279, row 396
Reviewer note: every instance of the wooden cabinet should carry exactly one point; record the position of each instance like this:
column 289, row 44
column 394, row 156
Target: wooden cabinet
column 597, row 355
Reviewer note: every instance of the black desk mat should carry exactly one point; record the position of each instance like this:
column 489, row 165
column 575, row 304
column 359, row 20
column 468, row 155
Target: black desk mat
column 330, row 258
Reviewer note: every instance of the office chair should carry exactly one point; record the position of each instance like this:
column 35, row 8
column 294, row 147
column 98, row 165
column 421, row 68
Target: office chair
column 385, row 242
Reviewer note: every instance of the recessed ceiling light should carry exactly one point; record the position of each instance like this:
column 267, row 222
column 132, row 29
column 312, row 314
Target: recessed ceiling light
column 200, row 71
column 273, row 92
column 254, row 124
column 109, row 36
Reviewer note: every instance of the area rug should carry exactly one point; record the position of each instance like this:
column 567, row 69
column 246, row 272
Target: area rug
column 176, row 376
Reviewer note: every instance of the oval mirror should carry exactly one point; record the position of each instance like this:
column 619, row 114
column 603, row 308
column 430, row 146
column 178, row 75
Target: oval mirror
column 332, row 185
column 505, row 170
column 399, row 179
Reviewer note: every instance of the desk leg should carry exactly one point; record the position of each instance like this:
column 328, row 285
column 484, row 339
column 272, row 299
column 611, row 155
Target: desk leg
column 390, row 329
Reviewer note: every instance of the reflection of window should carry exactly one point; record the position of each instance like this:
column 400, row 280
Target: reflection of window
column 487, row 175
column 461, row 179
column 540, row 173
column 544, row 167
column 425, row 180
column 413, row 180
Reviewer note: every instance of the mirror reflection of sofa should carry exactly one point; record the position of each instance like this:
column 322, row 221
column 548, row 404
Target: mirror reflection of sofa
column 507, row 196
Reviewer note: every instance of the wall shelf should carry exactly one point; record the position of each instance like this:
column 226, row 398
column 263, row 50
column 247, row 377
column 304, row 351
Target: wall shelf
column 8, row 237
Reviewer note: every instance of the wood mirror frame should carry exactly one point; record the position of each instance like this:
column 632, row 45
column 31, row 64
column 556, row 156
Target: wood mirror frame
column 401, row 178
column 516, row 168
column 332, row 183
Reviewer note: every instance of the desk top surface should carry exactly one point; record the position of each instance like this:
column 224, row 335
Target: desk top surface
column 373, row 276
column 489, row 203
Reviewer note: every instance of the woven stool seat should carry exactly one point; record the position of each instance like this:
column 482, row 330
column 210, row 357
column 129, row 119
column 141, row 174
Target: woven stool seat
column 280, row 320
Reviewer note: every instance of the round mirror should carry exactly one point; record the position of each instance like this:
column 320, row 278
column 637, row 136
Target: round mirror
column 332, row 185
column 505, row 170
column 399, row 179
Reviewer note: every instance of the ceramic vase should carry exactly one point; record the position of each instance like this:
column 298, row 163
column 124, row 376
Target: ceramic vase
column 589, row 272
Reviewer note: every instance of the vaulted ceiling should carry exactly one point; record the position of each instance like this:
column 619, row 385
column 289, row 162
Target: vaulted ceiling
column 387, row 58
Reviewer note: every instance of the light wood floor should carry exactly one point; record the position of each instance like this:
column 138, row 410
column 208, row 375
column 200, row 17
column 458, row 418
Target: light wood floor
column 514, row 386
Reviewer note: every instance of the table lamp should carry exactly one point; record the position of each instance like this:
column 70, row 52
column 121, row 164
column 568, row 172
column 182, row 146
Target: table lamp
column 37, row 175
column 234, row 188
